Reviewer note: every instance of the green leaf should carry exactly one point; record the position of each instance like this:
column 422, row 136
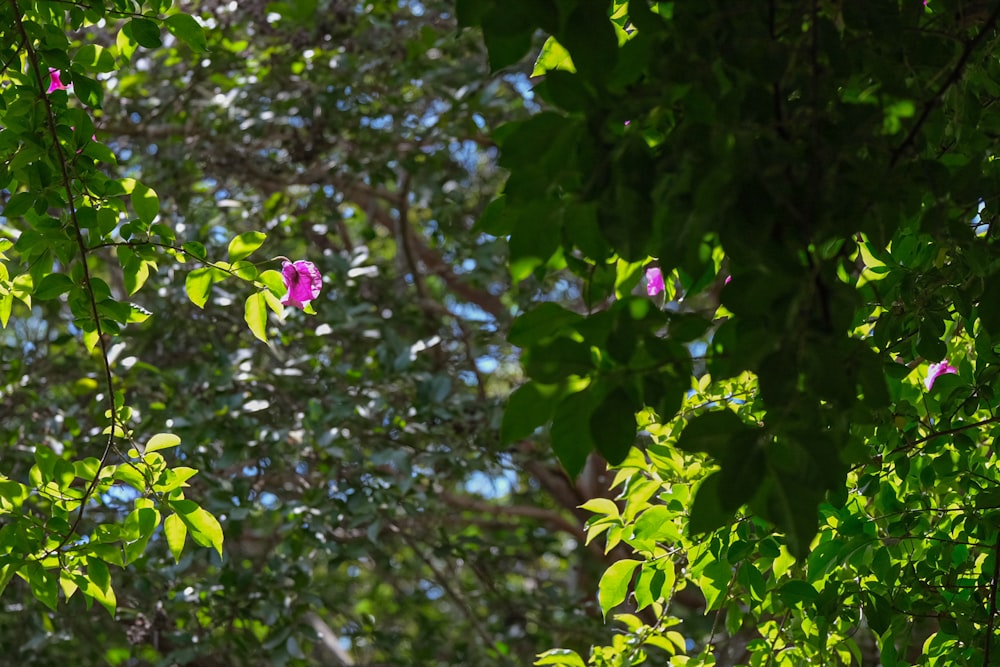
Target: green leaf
column 612, row 426
column 553, row 56
column 203, row 527
column 571, row 438
column 144, row 32
column 530, row 406
column 613, row 588
column 796, row 591
column 590, row 39
column 135, row 273
column 146, row 203
column 562, row 657
column 255, row 314
column 195, row 249
column 44, row 585
column 95, row 58
column 161, row 441
column 131, row 475
column 7, row 572
column 556, row 360
column 273, row 281
column 541, row 322
column 603, row 506
column 244, row 245
column 652, row 584
column 97, row 572
column 19, row 204
column 198, row 285
column 52, row 286
column 176, row 532
column 186, row 28
column 507, row 34
column 707, row 513
column 712, row 433
column 87, row 90
column 6, row 305
column 245, row 270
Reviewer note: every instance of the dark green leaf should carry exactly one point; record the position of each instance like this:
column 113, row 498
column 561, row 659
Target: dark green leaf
column 571, row 439
column 612, row 426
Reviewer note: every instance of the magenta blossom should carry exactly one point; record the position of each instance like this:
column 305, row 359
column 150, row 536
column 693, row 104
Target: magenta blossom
column 303, row 281
column 55, row 83
column 654, row 281
column 937, row 370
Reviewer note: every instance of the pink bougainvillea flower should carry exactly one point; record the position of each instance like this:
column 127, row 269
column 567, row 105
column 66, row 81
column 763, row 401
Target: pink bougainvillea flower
column 936, row 371
column 654, row 281
column 55, row 83
column 303, row 281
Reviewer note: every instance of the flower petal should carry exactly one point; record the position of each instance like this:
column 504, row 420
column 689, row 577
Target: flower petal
column 654, row 281
column 937, row 370
column 303, row 281
column 55, row 83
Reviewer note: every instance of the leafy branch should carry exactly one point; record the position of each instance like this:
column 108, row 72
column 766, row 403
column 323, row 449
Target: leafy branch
column 88, row 286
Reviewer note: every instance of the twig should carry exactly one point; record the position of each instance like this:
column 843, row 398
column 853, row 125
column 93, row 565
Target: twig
column 777, row 635
column 950, row 431
column 446, row 586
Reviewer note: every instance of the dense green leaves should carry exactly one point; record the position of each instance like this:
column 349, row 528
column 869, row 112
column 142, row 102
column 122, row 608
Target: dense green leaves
column 823, row 223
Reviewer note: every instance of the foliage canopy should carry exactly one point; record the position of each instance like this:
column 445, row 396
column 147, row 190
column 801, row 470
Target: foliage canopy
column 817, row 183
column 800, row 420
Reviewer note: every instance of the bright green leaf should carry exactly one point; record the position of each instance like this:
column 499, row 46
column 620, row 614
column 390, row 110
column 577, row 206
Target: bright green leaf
column 613, row 588
column 176, row 532
column 244, row 245
column 255, row 314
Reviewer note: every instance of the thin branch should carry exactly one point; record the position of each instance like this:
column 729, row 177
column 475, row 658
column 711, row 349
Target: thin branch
column 88, row 288
column 950, row 431
column 443, row 581
column 952, row 79
column 719, row 614
column 404, row 237
column 777, row 636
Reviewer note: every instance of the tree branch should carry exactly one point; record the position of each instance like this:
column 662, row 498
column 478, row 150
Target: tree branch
column 553, row 519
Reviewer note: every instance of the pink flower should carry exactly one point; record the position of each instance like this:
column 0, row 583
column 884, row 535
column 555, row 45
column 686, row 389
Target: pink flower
column 654, row 281
column 54, row 82
column 303, row 281
column 937, row 370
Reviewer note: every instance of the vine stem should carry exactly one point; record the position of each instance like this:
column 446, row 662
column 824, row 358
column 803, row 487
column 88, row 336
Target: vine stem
column 88, row 288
